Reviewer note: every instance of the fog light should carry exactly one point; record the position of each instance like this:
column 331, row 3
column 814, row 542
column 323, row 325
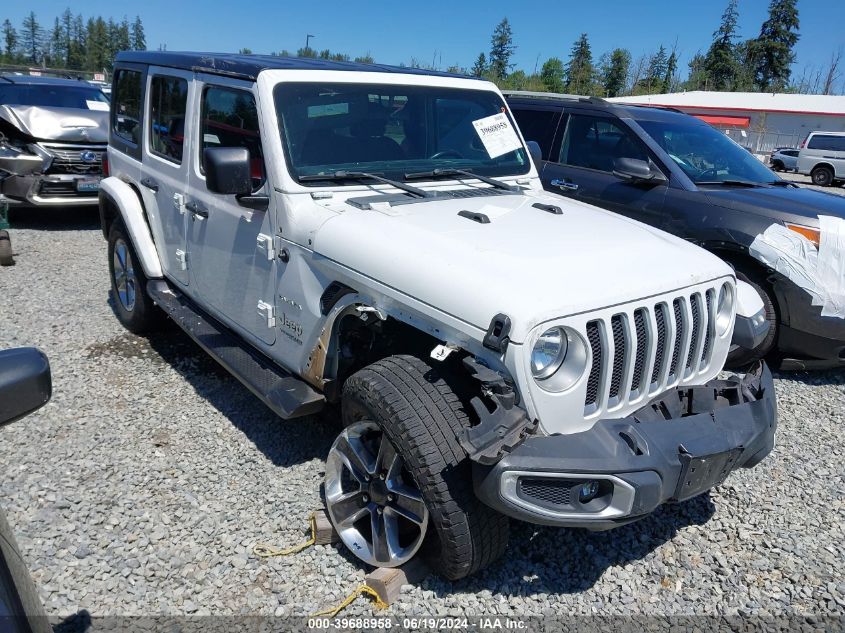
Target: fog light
column 588, row 491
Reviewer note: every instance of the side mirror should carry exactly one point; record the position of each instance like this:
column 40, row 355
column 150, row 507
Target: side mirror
column 227, row 170
column 637, row 170
column 535, row 152
column 25, row 382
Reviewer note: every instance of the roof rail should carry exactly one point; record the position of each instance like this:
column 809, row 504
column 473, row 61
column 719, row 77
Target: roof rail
column 552, row 96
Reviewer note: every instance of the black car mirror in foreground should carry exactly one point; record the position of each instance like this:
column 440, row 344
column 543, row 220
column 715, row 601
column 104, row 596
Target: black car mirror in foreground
column 536, row 153
column 637, row 170
column 25, row 382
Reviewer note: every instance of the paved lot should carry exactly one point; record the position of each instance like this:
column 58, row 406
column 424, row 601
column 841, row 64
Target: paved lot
column 142, row 487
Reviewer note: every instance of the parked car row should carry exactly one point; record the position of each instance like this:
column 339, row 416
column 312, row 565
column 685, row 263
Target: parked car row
column 505, row 319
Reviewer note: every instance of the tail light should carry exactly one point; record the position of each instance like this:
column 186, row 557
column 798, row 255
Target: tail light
column 804, row 142
column 105, row 164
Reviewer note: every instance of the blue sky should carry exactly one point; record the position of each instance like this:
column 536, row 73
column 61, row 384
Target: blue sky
column 453, row 32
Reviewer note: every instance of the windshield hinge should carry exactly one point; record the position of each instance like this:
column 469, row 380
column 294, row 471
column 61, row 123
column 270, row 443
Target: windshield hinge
column 266, row 243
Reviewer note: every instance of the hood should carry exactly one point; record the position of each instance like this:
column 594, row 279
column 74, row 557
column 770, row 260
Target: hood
column 527, row 263
column 784, row 203
column 58, row 124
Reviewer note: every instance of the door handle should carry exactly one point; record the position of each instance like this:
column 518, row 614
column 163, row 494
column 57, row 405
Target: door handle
column 566, row 186
column 150, row 184
column 197, row 209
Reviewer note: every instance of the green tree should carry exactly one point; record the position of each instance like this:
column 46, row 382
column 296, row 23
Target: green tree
column 721, row 61
column 698, row 79
column 245, row 51
column 139, row 39
column 77, row 47
column 579, row 69
column 552, row 75
column 365, row 59
column 10, row 40
column 772, row 52
column 669, row 76
column 58, row 52
column 656, row 73
column 31, row 37
column 97, row 46
column 480, row 66
column 306, row 51
column 614, row 71
column 501, row 50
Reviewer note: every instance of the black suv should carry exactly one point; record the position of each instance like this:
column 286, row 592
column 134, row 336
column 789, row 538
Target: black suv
column 677, row 173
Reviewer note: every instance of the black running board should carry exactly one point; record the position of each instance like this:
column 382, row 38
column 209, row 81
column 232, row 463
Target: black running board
column 287, row 395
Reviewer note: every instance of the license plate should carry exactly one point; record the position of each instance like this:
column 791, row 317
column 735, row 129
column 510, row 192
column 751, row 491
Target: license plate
column 700, row 474
column 88, row 184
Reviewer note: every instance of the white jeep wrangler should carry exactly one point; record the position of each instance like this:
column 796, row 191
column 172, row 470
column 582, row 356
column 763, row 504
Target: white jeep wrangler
column 377, row 238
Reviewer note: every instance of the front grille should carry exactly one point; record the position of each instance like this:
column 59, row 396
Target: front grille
column 63, row 188
column 652, row 348
column 68, row 159
column 548, row 491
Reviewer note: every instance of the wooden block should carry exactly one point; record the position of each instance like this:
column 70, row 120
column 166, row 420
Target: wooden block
column 387, row 582
column 324, row 532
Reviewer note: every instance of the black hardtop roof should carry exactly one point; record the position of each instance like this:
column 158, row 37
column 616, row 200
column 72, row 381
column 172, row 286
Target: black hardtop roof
column 248, row 66
column 46, row 81
column 625, row 110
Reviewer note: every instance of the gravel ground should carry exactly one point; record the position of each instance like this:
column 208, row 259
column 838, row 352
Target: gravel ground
column 143, row 485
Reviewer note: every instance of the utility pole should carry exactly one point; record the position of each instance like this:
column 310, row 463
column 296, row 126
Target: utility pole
column 307, row 40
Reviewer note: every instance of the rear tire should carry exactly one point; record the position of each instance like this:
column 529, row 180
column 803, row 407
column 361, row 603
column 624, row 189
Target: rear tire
column 6, row 257
column 777, row 166
column 740, row 357
column 822, row 176
column 422, row 417
column 133, row 306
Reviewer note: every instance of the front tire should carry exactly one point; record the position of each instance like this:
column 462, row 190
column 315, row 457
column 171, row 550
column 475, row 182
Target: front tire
column 777, row 166
column 6, row 256
column 740, row 357
column 822, row 176
column 410, row 404
column 133, row 306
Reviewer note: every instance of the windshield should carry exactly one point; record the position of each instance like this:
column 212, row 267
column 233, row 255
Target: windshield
column 394, row 130
column 57, row 96
column 706, row 154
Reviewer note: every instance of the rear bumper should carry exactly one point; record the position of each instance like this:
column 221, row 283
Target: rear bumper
column 672, row 449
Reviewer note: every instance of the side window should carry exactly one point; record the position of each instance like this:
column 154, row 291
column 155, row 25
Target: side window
column 538, row 125
column 827, row 142
column 229, row 118
column 594, row 143
column 126, row 112
column 168, row 103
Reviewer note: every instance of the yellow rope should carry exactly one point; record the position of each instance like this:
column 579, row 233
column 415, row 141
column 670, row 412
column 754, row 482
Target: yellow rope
column 363, row 589
column 268, row 551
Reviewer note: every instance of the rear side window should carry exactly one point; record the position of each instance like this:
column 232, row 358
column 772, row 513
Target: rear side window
column 828, row 142
column 539, row 126
column 126, row 114
column 229, row 118
column 595, row 142
column 168, row 103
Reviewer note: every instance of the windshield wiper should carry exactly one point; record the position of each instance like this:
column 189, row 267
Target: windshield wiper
column 362, row 175
column 731, row 183
column 439, row 173
column 782, row 183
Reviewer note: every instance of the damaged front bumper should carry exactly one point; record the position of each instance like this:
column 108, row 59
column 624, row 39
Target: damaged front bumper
column 620, row 470
column 44, row 176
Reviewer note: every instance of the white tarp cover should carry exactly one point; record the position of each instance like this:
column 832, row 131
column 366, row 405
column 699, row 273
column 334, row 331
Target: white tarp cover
column 821, row 272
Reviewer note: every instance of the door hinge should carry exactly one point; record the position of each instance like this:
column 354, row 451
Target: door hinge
column 182, row 258
column 268, row 313
column 179, row 203
column 267, row 244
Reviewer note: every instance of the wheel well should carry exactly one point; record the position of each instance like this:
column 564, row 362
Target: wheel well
column 825, row 165
column 744, row 262
column 109, row 211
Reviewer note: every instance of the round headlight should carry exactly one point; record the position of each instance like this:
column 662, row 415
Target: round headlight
column 724, row 309
column 548, row 353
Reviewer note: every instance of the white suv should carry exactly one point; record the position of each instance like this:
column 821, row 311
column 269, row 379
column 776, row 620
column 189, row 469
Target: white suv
column 822, row 157
column 377, row 238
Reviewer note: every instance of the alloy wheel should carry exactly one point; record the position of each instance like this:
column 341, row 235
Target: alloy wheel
column 125, row 281
column 373, row 503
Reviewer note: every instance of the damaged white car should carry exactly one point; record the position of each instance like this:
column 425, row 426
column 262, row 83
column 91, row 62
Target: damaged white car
column 53, row 136
column 377, row 239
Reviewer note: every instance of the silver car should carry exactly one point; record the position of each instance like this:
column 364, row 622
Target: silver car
column 822, row 157
column 783, row 159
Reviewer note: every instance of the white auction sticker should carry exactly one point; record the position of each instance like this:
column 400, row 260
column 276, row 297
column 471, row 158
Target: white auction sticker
column 497, row 134
column 97, row 105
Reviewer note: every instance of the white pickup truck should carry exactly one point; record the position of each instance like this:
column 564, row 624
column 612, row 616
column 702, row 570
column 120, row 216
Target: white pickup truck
column 377, row 239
